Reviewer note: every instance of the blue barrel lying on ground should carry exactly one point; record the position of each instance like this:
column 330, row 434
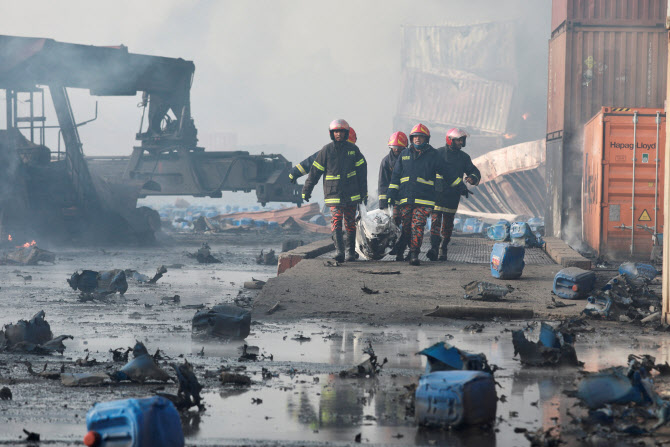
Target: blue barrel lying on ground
column 507, row 261
column 455, row 398
column 147, row 422
column 499, row 231
column 520, row 233
column 573, row 283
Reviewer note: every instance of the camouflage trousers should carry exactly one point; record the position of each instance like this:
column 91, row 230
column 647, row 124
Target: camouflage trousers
column 414, row 218
column 346, row 214
column 442, row 224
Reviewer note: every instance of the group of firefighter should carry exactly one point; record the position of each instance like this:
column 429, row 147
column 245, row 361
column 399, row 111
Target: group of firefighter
column 419, row 180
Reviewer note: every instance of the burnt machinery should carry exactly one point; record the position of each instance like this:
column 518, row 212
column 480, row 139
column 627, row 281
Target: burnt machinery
column 167, row 160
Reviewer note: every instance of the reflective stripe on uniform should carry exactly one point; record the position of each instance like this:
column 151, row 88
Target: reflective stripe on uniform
column 382, row 196
column 290, row 176
column 438, row 176
column 360, row 162
column 445, row 210
column 318, row 166
column 332, row 177
column 356, row 197
column 301, row 169
column 457, row 181
column 424, row 181
column 424, row 202
column 474, row 175
column 393, row 185
column 402, row 201
column 351, row 174
column 332, row 200
column 404, row 179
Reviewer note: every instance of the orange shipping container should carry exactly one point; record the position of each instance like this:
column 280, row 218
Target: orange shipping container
column 610, row 204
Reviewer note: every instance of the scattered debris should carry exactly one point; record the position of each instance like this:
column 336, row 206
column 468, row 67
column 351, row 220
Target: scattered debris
column 204, row 255
column 369, row 368
column 254, row 284
column 141, row 369
column 31, row 255
column 301, row 338
column 5, row 393
column 445, row 357
column 331, row 263
column 558, row 304
column 555, row 347
column 256, row 401
column 188, row 394
column 103, row 283
column 31, row 436
column 234, row 378
column 83, row 379
column 139, row 277
column 373, row 272
column 486, row 291
column 369, row 291
column 550, row 437
column 120, row 355
column 32, row 337
column 623, row 299
column 175, row 299
column 223, row 321
column 474, row 328
column 85, row 362
column 274, row 308
column 44, row 373
column 268, row 258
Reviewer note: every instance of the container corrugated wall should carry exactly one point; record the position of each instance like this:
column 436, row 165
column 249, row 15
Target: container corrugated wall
column 608, row 182
column 603, row 53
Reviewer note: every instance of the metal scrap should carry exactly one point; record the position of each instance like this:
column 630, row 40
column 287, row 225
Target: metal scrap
column 369, row 368
column 486, row 291
column 32, row 337
column 555, row 347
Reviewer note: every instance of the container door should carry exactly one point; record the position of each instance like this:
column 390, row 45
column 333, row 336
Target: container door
column 624, row 216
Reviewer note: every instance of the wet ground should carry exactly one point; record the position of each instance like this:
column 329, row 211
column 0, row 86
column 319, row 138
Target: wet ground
column 305, row 402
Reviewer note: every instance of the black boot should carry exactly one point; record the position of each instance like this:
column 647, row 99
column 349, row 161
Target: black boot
column 414, row 257
column 443, row 250
column 400, row 248
column 338, row 237
column 434, row 247
column 351, row 247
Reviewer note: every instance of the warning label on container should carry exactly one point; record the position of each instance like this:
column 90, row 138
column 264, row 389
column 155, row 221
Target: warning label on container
column 644, row 217
column 645, row 158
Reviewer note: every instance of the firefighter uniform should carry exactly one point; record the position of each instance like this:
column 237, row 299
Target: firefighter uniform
column 345, row 186
column 412, row 187
column 304, row 166
column 385, row 172
column 448, row 198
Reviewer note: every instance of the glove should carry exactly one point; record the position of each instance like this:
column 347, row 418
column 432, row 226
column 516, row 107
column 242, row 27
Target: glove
column 306, row 196
column 383, row 204
column 292, row 179
column 462, row 189
column 365, row 200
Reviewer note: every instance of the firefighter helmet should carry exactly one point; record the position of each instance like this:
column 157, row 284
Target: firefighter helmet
column 398, row 139
column 454, row 134
column 352, row 136
column 420, row 129
column 339, row 125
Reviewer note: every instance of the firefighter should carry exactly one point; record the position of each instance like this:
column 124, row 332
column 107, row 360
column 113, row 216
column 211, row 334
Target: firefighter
column 303, row 167
column 447, row 198
column 397, row 143
column 412, row 187
column 345, row 185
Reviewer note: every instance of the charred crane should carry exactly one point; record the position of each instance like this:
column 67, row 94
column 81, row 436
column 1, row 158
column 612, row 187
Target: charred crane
column 67, row 189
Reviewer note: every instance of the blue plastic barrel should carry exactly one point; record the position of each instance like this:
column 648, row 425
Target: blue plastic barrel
column 574, row 283
column 507, row 261
column 455, row 398
column 260, row 223
column 147, row 422
column 246, row 221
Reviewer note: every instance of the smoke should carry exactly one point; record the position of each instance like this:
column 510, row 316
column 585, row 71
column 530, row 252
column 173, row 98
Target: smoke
column 271, row 71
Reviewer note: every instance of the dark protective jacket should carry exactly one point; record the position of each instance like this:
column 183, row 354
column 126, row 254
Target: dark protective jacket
column 413, row 179
column 385, row 172
column 448, row 198
column 346, row 174
column 303, row 167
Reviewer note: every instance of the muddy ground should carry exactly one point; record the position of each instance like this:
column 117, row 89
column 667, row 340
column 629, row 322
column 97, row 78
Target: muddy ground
column 304, row 346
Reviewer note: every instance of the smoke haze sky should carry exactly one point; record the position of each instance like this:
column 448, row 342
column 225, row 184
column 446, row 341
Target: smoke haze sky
column 274, row 71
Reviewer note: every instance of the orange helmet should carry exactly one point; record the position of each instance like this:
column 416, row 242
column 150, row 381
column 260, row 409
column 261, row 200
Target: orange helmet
column 339, row 125
column 454, row 134
column 352, row 135
column 398, row 139
column 420, row 129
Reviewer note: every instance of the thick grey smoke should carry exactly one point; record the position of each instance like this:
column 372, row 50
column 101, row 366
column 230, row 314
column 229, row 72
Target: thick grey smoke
column 274, row 71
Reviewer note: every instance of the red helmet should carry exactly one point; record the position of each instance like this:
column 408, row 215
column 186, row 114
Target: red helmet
column 352, row 136
column 398, row 139
column 454, row 134
column 339, row 125
column 420, row 129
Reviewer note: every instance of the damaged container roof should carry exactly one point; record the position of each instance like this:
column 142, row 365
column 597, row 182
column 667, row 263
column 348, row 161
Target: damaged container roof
column 457, row 98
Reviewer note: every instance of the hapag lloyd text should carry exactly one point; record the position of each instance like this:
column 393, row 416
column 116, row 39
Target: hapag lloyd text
column 640, row 145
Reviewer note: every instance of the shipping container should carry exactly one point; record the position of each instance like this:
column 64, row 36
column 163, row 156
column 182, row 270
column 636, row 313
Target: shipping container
column 611, row 205
column 590, row 68
column 607, row 13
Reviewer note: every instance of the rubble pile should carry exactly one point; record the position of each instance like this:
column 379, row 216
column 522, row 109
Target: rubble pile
column 32, row 337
